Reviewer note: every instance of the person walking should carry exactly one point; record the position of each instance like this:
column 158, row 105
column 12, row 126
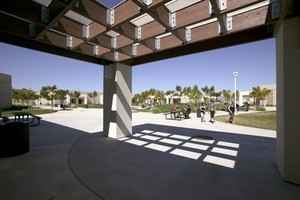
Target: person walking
column 202, row 112
column 231, row 111
column 212, row 110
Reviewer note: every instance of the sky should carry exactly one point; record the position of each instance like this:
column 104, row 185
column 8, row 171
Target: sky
column 255, row 63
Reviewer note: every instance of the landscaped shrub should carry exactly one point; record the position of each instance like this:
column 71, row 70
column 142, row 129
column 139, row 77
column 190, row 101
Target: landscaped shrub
column 89, row 105
column 260, row 108
column 155, row 110
column 17, row 107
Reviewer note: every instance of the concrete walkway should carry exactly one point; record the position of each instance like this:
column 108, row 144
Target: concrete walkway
column 164, row 159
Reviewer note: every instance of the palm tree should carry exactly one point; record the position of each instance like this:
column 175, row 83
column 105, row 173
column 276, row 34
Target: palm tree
column 93, row 95
column 90, row 95
column 227, row 94
column 169, row 93
column 24, row 95
column 144, row 95
column 75, row 95
column 217, row 94
column 178, row 90
column 61, row 95
column 209, row 91
column 194, row 94
column 17, row 95
column 259, row 94
column 48, row 92
column 159, row 95
column 186, row 91
column 237, row 94
column 137, row 98
column 151, row 93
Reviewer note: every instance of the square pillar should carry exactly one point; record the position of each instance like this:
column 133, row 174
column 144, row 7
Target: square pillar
column 117, row 111
column 288, row 98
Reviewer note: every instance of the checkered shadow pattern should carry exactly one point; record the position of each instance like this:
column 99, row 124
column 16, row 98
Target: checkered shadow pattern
column 202, row 148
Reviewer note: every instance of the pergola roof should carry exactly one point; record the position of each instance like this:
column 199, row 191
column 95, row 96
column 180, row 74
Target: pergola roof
column 138, row 31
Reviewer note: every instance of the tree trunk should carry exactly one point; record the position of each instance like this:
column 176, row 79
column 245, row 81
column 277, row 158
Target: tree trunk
column 51, row 104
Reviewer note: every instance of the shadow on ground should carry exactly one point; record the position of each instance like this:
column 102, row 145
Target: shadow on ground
column 157, row 162
column 164, row 162
column 44, row 172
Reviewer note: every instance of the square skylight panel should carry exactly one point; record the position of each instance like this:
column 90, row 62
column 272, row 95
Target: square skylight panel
column 78, row 18
column 142, row 20
column 110, row 4
column 176, row 5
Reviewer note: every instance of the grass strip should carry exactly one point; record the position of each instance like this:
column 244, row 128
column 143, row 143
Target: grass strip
column 264, row 120
column 35, row 112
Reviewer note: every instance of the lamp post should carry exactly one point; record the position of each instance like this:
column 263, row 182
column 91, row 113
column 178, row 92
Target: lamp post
column 235, row 74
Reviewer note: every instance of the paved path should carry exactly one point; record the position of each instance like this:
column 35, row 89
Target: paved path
column 164, row 159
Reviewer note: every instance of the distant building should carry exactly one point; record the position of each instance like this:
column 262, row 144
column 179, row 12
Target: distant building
column 244, row 96
column 5, row 91
column 85, row 99
column 271, row 98
column 82, row 99
column 269, row 101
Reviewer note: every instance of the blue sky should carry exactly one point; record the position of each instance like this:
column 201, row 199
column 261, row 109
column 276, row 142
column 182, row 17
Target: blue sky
column 255, row 62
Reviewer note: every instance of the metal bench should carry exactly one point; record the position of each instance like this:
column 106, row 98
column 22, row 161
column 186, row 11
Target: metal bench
column 35, row 120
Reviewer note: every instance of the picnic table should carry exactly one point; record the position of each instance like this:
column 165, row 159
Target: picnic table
column 173, row 114
column 32, row 119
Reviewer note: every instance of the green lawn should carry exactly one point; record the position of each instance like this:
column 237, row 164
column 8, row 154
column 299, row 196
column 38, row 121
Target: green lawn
column 35, row 112
column 265, row 120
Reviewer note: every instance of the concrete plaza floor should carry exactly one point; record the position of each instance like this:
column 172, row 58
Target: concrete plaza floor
column 164, row 159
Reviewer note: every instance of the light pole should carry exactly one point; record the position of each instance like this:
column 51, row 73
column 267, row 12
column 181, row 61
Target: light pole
column 235, row 74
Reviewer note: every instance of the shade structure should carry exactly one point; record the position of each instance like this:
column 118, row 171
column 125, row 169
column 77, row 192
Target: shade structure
column 138, row 31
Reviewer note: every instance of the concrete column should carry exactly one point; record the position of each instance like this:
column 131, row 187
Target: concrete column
column 5, row 91
column 117, row 116
column 288, row 98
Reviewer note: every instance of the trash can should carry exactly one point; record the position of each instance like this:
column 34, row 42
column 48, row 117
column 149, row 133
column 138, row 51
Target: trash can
column 198, row 112
column 14, row 138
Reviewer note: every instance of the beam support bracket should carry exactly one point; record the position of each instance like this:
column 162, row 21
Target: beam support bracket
column 116, row 55
column 134, row 50
column 110, row 17
column 188, row 35
column 114, row 42
column 275, row 10
column 138, row 32
column 32, row 30
column 45, row 14
column 86, row 31
column 96, row 50
column 69, row 41
column 157, row 43
column 172, row 19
